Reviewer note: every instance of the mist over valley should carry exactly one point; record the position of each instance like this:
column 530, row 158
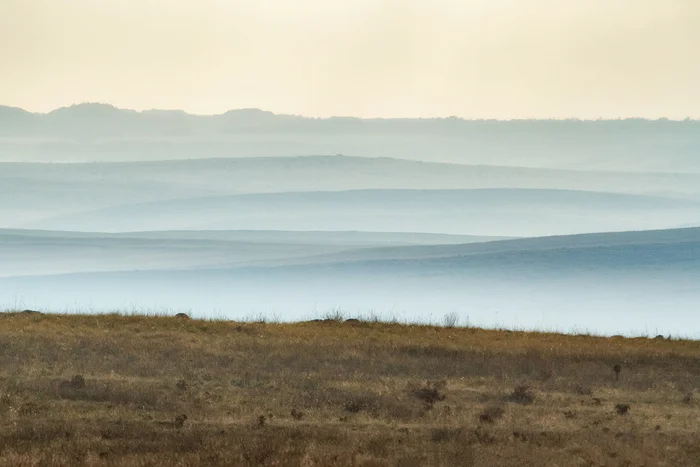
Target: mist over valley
column 539, row 224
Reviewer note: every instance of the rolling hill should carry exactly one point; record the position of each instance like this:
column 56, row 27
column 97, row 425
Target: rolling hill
column 92, row 132
column 341, row 173
column 24, row 252
column 631, row 280
column 246, row 212
column 490, row 212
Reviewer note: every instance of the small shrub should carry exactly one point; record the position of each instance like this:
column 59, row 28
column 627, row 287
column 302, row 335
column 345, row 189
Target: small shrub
column 450, row 320
column 180, row 420
column 335, row 315
column 431, row 392
column 355, row 406
column 521, row 395
column 617, row 369
column 445, row 434
column 622, row 409
column 77, row 382
column 296, row 414
column 483, row 436
column 491, row 414
column 181, row 385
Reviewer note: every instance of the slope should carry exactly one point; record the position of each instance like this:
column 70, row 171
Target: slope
column 490, row 212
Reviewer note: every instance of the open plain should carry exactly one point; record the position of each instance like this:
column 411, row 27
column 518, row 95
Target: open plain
column 155, row 390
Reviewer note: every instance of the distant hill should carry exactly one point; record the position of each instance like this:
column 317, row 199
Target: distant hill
column 87, row 132
column 43, row 250
column 16, row 122
column 491, row 212
column 51, row 252
column 338, row 173
column 644, row 281
column 341, row 193
column 154, row 121
column 611, row 245
column 594, row 254
column 342, row 238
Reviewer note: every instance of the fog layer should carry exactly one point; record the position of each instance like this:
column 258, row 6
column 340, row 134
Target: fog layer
column 546, row 224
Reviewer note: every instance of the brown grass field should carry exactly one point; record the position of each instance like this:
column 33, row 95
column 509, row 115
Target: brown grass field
column 113, row 389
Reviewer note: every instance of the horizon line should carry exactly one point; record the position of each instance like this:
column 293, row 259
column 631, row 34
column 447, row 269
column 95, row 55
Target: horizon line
column 350, row 117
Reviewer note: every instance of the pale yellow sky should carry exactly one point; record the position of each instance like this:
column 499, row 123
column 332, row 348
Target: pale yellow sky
column 367, row 58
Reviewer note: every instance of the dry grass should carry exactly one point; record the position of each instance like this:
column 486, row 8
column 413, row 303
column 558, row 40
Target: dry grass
column 152, row 391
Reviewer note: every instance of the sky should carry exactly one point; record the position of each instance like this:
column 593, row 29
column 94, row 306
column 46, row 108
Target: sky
column 367, row 58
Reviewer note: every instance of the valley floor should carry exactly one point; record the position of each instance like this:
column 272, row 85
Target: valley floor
column 156, row 391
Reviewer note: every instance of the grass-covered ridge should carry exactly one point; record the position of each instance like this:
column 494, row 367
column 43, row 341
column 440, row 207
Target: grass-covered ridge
column 113, row 389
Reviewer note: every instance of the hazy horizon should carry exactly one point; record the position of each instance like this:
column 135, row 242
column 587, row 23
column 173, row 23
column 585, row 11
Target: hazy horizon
column 479, row 59
column 339, row 116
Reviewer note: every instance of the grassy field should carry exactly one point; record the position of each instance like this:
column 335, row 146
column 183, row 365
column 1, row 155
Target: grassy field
column 157, row 391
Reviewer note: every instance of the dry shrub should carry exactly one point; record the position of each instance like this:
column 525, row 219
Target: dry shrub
column 76, row 382
column 491, row 414
column 521, row 395
column 450, row 320
column 355, row 406
column 180, row 420
column 481, row 435
column 446, row 434
column 582, row 390
column 430, row 392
